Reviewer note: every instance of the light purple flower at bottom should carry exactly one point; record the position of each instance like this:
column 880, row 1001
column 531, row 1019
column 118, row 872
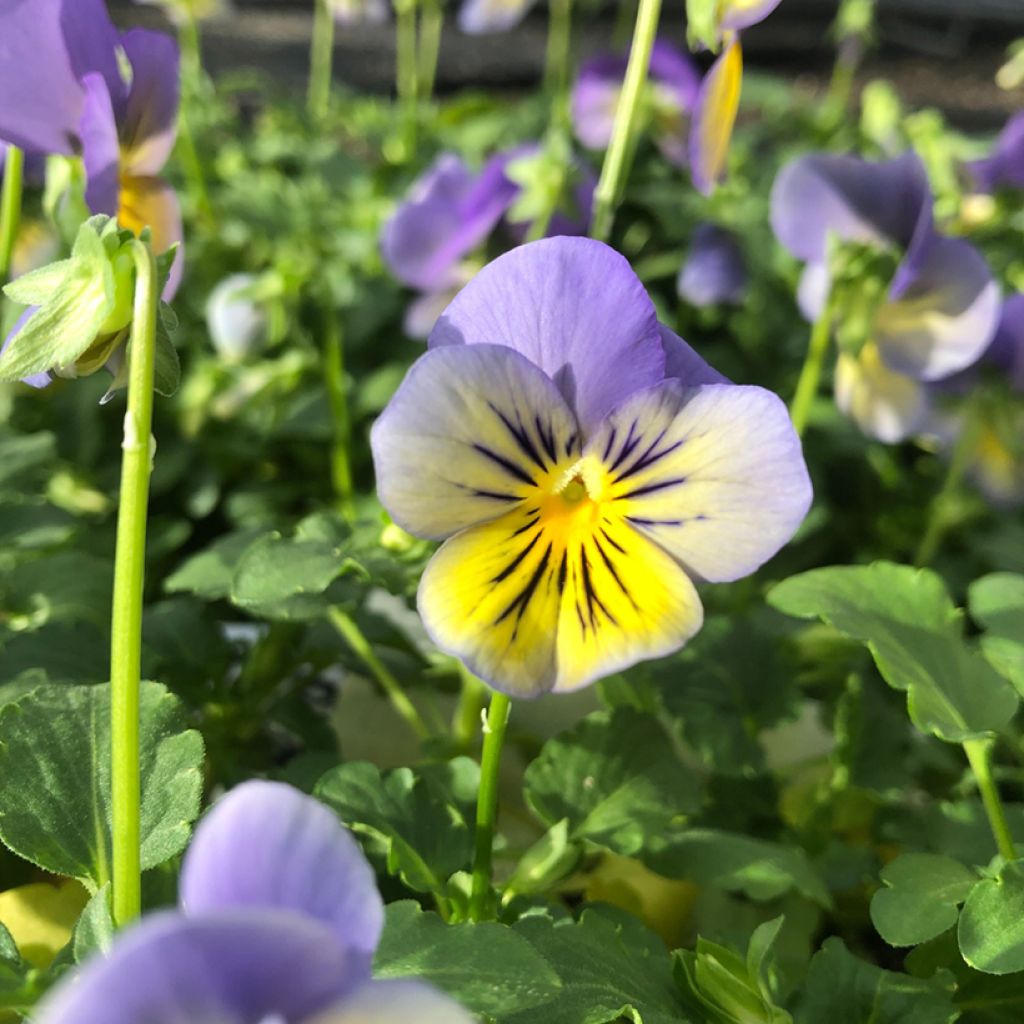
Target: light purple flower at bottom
column 279, row 920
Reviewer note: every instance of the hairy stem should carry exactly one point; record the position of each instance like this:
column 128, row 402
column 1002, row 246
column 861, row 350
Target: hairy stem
column 431, row 23
column 321, row 60
column 978, row 755
column 129, row 573
column 559, row 48
column 810, row 372
column 487, row 806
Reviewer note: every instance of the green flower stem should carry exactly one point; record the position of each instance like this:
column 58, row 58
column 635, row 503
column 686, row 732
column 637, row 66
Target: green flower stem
column 487, row 806
column 337, row 397
column 353, row 636
column 129, row 572
column 406, row 77
column 620, row 151
column 191, row 49
column 321, row 60
column 978, row 752
column 559, row 48
column 467, row 713
column 10, row 208
column 938, row 520
column 431, row 24
column 192, row 167
column 810, row 372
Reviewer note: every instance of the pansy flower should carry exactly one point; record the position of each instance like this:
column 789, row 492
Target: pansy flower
column 360, row 12
column 718, row 100
column 714, row 271
column 63, row 78
column 1004, row 167
column 480, row 17
column 279, row 920
column 940, row 306
column 584, row 467
column 673, row 86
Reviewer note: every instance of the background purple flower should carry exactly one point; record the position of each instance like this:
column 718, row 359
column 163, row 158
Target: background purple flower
column 280, row 918
column 715, row 270
column 1004, row 167
column 479, row 17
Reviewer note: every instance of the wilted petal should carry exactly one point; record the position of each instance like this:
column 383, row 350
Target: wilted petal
column 150, row 122
column 683, row 363
column 232, row 968
column 714, row 117
column 42, row 98
column 574, row 308
column 152, row 203
column 478, row 17
column 886, row 405
column 267, row 845
column 942, row 312
column 395, row 1002
column 1005, row 166
column 714, row 271
column 737, row 14
column 715, row 475
column 855, row 200
column 100, row 151
column 554, row 595
column 449, row 213
column 465, row 437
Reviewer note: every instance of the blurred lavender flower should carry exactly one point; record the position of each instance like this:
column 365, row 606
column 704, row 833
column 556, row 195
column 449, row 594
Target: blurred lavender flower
column 1004, row 168
column 237, row 322
column 279, row 920
column 939, row 306
column 480, row 17
column 718, row 99
column 65, row 93
column 584, row 465
column 360, row 12
column 714, row 271
column 674, row 83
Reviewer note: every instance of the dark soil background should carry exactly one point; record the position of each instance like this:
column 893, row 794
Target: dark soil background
column 941, row 53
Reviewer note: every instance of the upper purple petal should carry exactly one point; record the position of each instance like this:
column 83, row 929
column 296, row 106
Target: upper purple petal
column 42, row 98
column 449, row 212
column 856, row 200
column 738, row 14
column 101, row 153
column 92, row 42
column 714, row 270
column 573, row 307
column 1005, row 165
column 268, row 845
column 673, row 69
column 682, row 362
column 149, row 125
column 229, row 968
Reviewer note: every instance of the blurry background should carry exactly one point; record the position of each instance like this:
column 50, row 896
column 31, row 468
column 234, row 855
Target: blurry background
column 940, row 53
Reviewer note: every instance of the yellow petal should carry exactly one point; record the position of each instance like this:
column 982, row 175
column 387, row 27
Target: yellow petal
column 715, row 117
column 40, row 918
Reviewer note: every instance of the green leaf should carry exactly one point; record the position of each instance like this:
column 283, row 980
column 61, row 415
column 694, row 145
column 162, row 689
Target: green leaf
column 841, row 989
column 991, row 929
column 997, row 603
column 487, row 967
column 67, row 586
column 611, row 967
column 738, row 863
column 167, row 365
column 551, row 858
column 94, row 932
column 22, row 455
column 208, row 574
column 13, row 970
column 67, row 323
column 422, row 821
column 36, row 287
column 74, row 653
column 914, row 633
column 58, row 815
column 617, row 779
column 920, row 897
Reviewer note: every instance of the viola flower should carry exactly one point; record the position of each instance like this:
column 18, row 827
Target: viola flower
column 480, row 17
column 1004, row 167
column 718, row 100
column 714, row 271
column 583, row 466
column 65, row 93
column 279, row 920
column 940, row 306
column 360, row 12
column 674, row 84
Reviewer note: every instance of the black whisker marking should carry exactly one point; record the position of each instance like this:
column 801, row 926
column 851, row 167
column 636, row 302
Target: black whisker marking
column 526, row 526
column 563, row 570
column 522, row 599
column 640, row 521
column 608, row 537
column 591, row 592
column 511, row 567
column 661, row 485
column 508, row 465
column 495, row 495
column 615, row 574
column 547, row 438
column 646, row 461
column 627, row 449
column 522, row 439
column 611, row 444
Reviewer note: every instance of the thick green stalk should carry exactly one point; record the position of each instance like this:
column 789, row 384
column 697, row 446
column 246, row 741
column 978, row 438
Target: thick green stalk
column 353, row 636
column 559, row 48
column 938, row 521
column 337, row 397
column 191, row 50
column 616, row 161
column 321, row 60
column 487, row 806
column 10, row 208
column 192, row 167
column 129, row 573
column 810, row 372
column 467, row 713
column 431, row 24
column 406, row 76
column 978, row 752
